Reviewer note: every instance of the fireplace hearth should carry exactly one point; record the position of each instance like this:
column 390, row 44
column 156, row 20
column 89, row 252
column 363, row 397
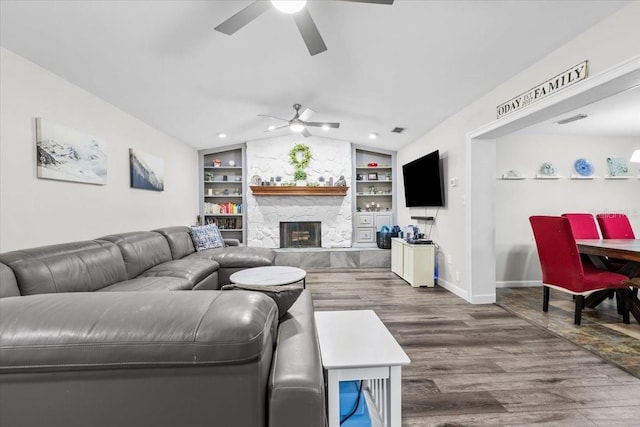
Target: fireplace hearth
column 301, row 234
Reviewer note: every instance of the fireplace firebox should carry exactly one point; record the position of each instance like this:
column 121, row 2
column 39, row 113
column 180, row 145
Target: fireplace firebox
column 301, row 234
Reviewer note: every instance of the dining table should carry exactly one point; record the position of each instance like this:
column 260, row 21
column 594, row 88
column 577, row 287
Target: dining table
column 623, row 251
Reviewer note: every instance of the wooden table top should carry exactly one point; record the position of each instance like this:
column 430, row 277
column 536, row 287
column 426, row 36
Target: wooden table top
column 626, row 249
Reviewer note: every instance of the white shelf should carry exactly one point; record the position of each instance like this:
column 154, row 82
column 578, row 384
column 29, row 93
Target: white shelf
column 514, row 178
column 618, row 177
column 538, row 176
column 373, row 195
column 374, row 180
column 223, row 195
column 584, row 177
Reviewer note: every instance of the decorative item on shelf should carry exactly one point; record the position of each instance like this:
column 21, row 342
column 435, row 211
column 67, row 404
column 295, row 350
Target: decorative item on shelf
column 617, row 166
column 256, row 180
column 232, row 163
column 278, row 179
column 583, row 167
column 387, row 176
column 238, row 178
column 372, row 165
column 341, row 182
column 513, row 173
column 225, row 178
column 359, row 177
column 209, row 191
column 208, row 176
column 547, row 169
column 367, row 207
column 225, row 192
column 217, row 163
column 372, row 176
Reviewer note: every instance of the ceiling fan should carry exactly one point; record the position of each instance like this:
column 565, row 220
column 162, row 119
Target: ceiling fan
column 301, row 15
column 299, row 122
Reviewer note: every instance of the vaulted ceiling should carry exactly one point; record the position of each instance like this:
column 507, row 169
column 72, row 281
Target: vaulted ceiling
column 411, row 64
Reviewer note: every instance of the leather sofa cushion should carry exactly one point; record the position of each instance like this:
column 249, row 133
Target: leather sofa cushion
column 68, row 267
column 141, row 250
column 117, row 329
column 238, row 256
column 194, row 270
column 8, row 283
column 150, row 284
column 179, row 239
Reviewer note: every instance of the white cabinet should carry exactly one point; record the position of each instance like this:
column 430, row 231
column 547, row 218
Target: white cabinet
column 367, row 223
column 413, row 263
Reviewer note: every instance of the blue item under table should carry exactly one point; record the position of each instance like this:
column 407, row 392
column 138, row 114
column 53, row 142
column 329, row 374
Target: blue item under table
column 348, row 396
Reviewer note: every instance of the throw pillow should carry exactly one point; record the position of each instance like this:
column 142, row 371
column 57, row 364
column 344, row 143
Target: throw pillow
column 284, row 296
column 206, row 237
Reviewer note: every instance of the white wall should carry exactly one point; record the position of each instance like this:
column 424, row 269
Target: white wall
column 611, row 42
column 268, row 158
column 516, row 200
column 36, row 212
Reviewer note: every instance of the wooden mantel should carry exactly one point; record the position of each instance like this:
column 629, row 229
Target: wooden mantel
column 271, row 190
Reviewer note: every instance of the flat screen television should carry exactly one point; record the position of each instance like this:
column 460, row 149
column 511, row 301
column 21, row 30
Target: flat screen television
column 423, row 181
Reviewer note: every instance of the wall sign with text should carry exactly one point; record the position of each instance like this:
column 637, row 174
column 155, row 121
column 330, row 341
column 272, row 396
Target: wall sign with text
column 561, row 81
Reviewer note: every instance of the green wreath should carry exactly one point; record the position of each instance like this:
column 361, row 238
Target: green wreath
column 306, row 156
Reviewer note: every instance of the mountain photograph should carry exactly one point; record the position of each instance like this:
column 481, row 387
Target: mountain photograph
column 69, row 155
column 146, row 171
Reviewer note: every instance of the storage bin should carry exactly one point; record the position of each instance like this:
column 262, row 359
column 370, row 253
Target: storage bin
column 383, row 239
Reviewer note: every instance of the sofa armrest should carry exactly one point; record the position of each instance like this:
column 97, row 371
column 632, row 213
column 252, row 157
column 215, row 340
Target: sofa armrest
column 231, row 242
column 296, row 385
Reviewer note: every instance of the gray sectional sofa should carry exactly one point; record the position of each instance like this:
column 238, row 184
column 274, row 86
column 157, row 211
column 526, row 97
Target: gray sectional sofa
column 131, row 329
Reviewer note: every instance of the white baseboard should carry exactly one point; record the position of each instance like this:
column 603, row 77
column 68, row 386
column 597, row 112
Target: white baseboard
column 518, row 283
column 455, row 289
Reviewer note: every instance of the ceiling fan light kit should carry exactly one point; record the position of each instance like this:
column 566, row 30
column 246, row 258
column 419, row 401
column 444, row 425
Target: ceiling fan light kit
column 297, row 8
column 289, row 6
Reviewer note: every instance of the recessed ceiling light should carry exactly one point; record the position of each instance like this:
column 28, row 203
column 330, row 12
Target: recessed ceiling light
column 325, row 127
column 373, row 135
column 272, row 127
column 289, row 6
column 221, row 135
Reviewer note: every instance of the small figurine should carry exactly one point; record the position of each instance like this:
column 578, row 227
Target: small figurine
column 341, row 182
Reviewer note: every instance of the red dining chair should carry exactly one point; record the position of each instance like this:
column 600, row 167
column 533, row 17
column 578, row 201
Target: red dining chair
column 615, row 226
column 583, row 225
column 563, row 270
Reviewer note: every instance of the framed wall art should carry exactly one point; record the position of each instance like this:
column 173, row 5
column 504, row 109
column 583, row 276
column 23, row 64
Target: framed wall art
column 67, row 154
column 146, row 170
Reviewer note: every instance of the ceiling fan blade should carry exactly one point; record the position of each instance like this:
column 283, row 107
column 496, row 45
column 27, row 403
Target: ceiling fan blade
column 273, row 117
column 306, row 114
column 321, row 124
column 309, row 32
column 271, row 129
column 243, row 17
column 306, row 133
column 371, row 1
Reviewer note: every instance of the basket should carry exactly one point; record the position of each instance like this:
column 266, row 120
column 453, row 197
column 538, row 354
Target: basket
column 383, row 239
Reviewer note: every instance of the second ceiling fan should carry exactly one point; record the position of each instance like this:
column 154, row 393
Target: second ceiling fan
column 301, row 15
column 299, row 122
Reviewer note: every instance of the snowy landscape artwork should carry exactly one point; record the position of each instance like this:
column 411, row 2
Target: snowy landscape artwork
column 69, row 155
column 147, row 171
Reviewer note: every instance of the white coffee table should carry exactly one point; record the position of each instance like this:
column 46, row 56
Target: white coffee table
column 271, row 275
column 355, row 345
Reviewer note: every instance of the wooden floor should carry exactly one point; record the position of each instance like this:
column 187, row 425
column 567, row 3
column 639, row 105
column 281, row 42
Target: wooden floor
column 480, row 365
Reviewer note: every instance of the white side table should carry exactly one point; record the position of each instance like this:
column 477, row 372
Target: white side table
column 355, row 345
column 271, row 275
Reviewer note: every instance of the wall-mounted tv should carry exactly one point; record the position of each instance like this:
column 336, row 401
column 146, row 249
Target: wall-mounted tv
column 423, row 181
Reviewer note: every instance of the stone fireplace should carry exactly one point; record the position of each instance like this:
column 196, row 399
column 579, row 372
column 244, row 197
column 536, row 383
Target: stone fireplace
column 301, row 234
column 270, row 158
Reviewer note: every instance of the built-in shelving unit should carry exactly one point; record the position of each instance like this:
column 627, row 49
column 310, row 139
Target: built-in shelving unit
column 373, row 183
column 269, row 190
column 223, row 190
